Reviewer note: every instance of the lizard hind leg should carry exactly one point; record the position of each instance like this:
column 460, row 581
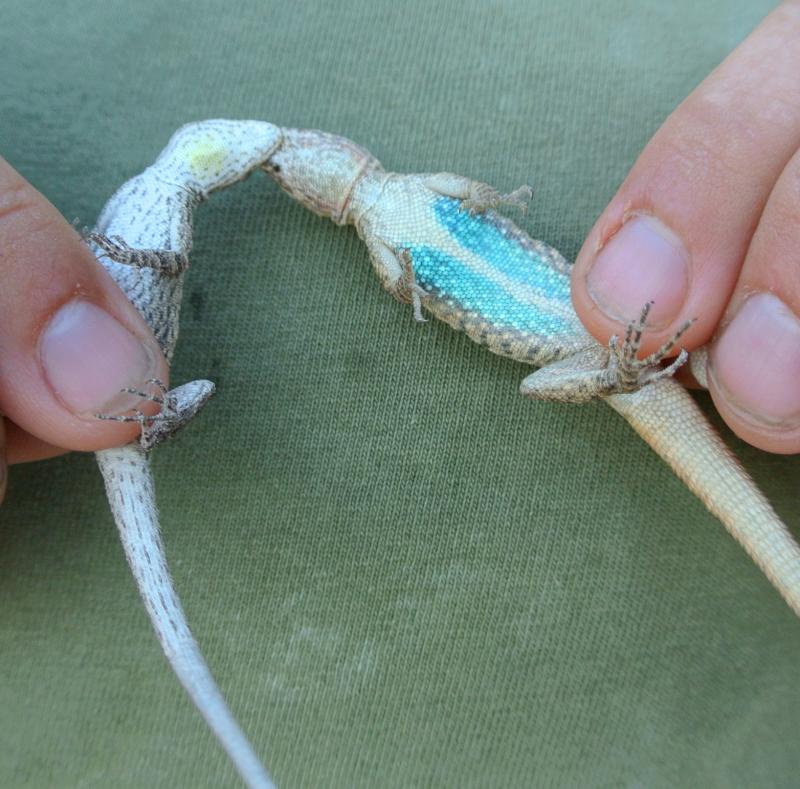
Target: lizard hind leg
column 574, row 379
column 633, row 373
column 600, row 372
column 178, row 407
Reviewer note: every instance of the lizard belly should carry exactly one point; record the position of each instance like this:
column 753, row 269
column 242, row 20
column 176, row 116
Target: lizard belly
column 485, row 277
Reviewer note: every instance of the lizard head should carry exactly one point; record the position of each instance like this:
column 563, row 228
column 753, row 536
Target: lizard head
column 319, row 170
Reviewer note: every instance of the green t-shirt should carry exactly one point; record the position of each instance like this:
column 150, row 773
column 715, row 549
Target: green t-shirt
column 401, row 572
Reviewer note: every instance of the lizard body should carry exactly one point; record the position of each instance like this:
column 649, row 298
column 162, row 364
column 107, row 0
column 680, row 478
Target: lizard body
column 436, row 242
column 143, row 238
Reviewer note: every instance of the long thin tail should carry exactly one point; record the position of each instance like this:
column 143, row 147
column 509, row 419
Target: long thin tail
column 668, row 419
column 130, row 491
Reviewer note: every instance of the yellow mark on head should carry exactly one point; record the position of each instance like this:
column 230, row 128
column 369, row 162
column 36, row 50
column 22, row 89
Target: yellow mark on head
column 206, row 156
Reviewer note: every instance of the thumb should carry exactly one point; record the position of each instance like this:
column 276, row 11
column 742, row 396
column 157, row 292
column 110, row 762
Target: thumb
column 69, row 338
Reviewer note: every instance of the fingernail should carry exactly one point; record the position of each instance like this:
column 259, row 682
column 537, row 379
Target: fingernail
column 755, row 363
column 644, row 261
column 88, row 357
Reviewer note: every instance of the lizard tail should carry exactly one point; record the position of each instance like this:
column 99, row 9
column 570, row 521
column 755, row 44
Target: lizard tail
column 130, row 491
column 667, row 418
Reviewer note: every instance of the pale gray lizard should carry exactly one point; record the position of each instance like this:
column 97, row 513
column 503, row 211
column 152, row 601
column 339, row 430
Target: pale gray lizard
column 436, row 242
column 143, row 237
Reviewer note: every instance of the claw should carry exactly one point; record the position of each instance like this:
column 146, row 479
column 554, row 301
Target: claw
column 658, row 355
column 520, row 197
column 144, row 395
column 177, row 408
column 484, row 197
column 632, row 373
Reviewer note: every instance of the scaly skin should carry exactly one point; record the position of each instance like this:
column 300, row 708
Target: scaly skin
column 436, row 242
column 143, row 238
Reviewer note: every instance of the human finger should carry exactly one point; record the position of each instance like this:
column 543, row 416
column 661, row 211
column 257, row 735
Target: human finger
column 70, row 340
column 754, row 363
column 22, row 447
column 679, row 227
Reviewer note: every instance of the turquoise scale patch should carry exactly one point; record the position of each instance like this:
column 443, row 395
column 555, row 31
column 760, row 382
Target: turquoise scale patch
column 481, row 236
column 452, row 278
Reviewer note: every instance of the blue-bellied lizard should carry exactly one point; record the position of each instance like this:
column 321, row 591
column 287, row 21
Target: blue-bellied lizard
column 435, row 241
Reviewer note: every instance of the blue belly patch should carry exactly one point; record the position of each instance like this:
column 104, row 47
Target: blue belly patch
column 481, row 236
column 452, row 279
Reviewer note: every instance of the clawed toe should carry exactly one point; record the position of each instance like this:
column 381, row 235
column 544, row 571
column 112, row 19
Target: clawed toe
column 411, row 290
column 153, row 426
column 484, row 197
column 632, row 373
column 519, row 197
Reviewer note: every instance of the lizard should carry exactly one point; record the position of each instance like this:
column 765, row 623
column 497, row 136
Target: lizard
column 143, row 238
column 437, row 242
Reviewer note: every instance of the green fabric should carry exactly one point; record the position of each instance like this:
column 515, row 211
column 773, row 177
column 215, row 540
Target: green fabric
column 401, row 572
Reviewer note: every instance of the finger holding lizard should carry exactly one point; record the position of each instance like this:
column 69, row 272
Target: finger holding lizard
column 706, row 223
column 70, row 340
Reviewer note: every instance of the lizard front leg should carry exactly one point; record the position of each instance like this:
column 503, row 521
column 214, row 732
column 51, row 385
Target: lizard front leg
column 476, row 197
column 395, row 269
column 165, row 261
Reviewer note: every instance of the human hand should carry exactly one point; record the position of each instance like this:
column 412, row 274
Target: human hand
column 707, row 223
column 69, row 338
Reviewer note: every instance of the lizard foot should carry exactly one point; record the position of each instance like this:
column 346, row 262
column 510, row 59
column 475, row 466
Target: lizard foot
column 164, row 261
column 630, row 373
column 408, row 290
column 178, row 407
column 483, row 197
column 599, row 372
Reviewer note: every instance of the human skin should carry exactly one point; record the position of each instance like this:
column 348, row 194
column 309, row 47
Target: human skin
column 69, row 340
column 706, row 223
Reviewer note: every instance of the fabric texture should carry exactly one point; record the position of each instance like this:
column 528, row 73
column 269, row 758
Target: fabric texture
column 401, row 572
